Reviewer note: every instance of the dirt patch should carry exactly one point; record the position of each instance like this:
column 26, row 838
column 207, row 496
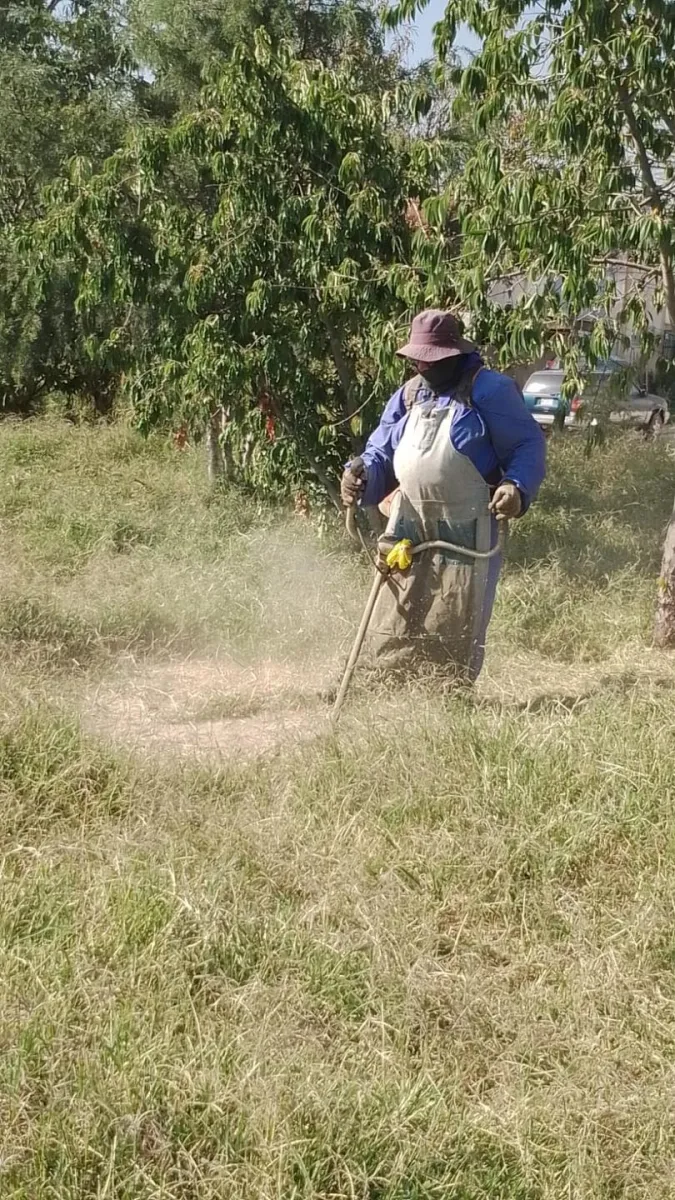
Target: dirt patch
column 212, row 708
column 218, row 709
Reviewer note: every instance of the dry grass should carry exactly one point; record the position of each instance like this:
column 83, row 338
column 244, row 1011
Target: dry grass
column 430, row 957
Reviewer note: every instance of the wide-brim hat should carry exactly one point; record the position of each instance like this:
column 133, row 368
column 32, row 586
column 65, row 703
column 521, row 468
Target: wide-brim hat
column 435, row 335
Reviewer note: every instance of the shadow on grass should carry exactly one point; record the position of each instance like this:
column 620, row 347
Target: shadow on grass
column 562, row 702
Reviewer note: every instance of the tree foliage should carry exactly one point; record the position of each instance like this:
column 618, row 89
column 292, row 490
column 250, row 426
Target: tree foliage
column 181, row 43
column 272, row 237
column 574, row 111
column 67, row 87
column 80, row 81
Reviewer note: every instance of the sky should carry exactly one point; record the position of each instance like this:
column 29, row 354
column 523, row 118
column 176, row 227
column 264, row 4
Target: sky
column 421, row 34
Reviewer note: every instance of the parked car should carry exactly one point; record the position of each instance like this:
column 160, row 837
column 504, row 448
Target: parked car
column 636, row 408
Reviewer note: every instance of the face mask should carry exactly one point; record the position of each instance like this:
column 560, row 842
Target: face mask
column 443, row 376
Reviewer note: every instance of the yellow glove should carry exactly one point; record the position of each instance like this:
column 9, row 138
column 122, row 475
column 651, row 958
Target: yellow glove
column 400, row 556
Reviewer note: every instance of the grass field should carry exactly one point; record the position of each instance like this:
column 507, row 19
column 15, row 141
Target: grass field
column 432, row 956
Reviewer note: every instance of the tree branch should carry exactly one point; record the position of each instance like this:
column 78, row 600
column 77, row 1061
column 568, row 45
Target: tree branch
column 322, row 476
column 345, row 373
column 653, row 195
column 666, row 117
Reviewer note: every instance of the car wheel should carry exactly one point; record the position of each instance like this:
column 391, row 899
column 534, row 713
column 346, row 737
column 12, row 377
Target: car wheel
column 655, row 424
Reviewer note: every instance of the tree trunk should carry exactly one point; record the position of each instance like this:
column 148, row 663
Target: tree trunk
column 219, row 461
column 664, row 630
column 345, row 375
column 331, row 490
column 665, row 609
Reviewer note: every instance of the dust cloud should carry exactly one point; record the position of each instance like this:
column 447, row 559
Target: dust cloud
column 259, row 639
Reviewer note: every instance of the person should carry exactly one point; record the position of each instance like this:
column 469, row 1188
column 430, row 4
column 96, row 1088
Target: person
column 455, row 452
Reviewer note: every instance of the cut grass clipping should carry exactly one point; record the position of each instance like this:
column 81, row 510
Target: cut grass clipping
column 429, row 957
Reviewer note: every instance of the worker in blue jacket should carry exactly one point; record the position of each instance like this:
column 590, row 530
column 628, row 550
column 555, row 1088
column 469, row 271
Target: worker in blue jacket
column 456, row 450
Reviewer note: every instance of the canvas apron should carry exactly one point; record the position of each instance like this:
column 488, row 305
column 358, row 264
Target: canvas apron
column 432, row 615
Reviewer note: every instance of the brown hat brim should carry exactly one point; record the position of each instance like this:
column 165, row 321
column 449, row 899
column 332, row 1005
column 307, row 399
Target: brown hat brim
column 431, row 354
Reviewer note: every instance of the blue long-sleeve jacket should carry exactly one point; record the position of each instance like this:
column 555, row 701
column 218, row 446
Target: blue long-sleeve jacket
column 497, row 433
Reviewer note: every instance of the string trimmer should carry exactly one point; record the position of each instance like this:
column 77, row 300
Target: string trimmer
column 399, row 558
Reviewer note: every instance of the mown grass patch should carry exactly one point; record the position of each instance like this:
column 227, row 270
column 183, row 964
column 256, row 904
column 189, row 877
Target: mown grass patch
column 429, row 956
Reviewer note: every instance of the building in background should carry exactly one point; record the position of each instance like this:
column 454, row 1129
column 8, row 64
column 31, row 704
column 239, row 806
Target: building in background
column 628, row 279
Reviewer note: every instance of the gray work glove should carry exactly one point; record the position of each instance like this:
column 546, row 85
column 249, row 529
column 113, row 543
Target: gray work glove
column 507, row 502
column 353, row 483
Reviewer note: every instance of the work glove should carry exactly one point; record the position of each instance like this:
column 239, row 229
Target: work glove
column 507, row 502
column 353, row 483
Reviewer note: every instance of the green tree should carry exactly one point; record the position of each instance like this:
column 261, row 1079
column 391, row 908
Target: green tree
column 71, row 88
column 271, row 236
column 67, row 87
column 573, row 103
column 181, row 43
